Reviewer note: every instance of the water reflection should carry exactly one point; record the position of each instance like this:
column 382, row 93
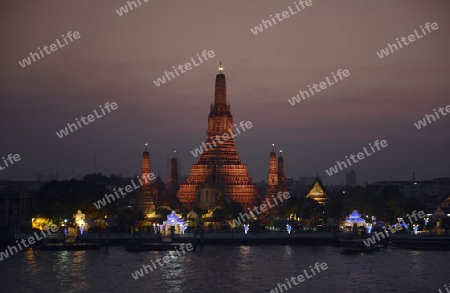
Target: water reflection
column 288, row 250
column 31, row 267
column 242, row 265
column 173, row 271
column 69, row 268
column 221, row 269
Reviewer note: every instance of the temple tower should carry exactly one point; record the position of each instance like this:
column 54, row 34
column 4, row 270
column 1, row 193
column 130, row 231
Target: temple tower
column 272, row 177
column 146, row 201
column 272, row 183
column 174, row 178
column 281, row 176
column 145, row 165
column 220, row 161
column 174, row 182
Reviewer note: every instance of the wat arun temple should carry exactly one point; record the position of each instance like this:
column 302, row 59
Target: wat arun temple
column 220, row 165
column 218, row 176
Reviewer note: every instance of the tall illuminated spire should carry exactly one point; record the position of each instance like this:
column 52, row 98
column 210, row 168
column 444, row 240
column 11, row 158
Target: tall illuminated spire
column 219, row 119
column 145, row 164
column 145, row 200
column 272, row 177
column 220, row 95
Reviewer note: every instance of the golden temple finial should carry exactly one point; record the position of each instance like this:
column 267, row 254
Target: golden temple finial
column 220, row 68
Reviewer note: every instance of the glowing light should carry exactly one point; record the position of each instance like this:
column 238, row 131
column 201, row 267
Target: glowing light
column 40, row 223
column 173, row 220
column 354, row 217
column 416, row 227
column 246, row 228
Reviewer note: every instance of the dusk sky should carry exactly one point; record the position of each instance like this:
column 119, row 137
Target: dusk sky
column 117, row 58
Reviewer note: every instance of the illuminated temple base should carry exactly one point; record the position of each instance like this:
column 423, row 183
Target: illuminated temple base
column 233, row 180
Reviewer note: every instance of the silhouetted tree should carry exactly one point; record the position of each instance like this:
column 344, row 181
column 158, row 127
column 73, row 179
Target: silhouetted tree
column 61, row 199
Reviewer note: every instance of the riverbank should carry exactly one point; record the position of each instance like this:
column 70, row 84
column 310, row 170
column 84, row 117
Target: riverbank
column 206, row 238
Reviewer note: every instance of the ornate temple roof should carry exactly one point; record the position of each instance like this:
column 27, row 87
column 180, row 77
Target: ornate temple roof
column 317, row 192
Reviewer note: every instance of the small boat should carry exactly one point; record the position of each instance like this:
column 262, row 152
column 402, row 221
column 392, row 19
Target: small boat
column 357, row 241
column 66, row 246
column 422, row 242
column 358, row 245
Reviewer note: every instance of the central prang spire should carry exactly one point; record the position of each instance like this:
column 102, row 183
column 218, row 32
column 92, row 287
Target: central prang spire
column 272, row 177
column 219, row 119
column 220, row 97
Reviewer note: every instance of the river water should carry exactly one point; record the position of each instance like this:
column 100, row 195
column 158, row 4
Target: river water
column 226, row 269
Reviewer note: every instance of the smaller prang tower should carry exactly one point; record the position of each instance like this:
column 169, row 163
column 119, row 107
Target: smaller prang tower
column 281, row 176
column 272, row 177
column 146, row 201
column 276, row 182
column 174, row 178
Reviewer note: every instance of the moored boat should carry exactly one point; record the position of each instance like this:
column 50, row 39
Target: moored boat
column 421, row 242
column 358, row 241
column 66, row 246
column 136, row 246
column 358, row 245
